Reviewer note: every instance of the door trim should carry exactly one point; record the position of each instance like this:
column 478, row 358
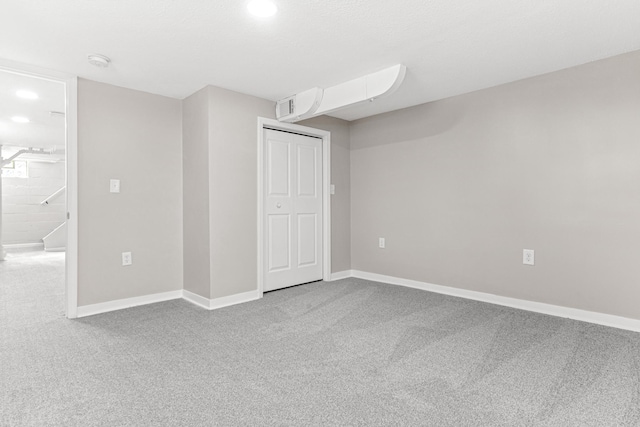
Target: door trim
column 326, row 196
column 71, row 117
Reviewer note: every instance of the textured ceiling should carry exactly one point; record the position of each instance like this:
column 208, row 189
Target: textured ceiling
column 175, row 47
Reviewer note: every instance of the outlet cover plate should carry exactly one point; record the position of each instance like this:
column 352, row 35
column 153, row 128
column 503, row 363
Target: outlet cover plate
column 528, row 257
column 114, row 185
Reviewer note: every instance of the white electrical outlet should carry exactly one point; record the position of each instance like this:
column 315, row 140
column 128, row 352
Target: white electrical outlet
column 381, row 242
column 126, row 258
column 114, row 185
column 528, row 257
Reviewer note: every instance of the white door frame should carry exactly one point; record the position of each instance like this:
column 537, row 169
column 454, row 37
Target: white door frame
column 326, row 196
column 71, row 118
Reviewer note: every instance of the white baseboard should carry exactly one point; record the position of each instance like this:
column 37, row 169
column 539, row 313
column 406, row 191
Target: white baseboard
column 91, row 309
column 212, row 304
column 538, row 307
column 234, row 299
column 209, row 304
column 196, row 299
column 341, row 275
column 24, row 246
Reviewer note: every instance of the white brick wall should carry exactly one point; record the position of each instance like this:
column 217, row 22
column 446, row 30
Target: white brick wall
column 24, row 220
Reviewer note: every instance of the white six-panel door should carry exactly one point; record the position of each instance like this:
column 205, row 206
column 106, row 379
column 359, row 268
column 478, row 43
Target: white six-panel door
column 293, row 209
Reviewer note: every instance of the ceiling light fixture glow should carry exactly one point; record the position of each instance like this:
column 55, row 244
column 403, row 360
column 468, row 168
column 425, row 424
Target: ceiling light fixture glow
column 262, row 8
column 99, row 60
column 26, row 94
column 19, row 119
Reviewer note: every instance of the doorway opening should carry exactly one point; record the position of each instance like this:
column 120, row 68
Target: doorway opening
column 38, row 190
column 294, row 205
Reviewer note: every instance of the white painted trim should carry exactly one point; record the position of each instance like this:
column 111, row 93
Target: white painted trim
column 326, row 205
column 326, row 193
column 104, row 307
column 538, row 307
column 342, row 275
column 260, row 210
column 71, row 258
column 234, row 299
column 34, row 71
column 196, row 299
column 25, row 246
column 209, row 304
column 212, row 304
column 71, row 119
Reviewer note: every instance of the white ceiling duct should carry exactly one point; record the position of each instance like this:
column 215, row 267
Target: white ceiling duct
column 317, row 101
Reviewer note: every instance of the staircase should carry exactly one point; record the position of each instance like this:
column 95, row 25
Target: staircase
column 56, row 241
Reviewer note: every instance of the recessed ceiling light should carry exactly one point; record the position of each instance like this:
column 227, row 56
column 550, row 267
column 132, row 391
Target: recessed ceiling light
column 262, row 8
column 99, row 60
column 26, row 94
column 19, row 119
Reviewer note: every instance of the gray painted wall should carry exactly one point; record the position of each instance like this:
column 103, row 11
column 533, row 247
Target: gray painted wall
column 135, row 137
column 460, row 186
column 25, row 220
column 195, row 188
column 220, row 184
column 341, row 200
column 233, row 183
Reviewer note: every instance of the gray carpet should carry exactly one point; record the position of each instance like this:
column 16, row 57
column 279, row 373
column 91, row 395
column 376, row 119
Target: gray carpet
column 349, row 352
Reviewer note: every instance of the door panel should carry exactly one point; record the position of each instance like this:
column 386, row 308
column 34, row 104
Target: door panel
column 279, row 161
column 279, row 235
column 307, row 171
column 293, row 209
column 307, row 239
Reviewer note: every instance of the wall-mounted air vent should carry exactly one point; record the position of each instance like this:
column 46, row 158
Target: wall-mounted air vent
column 299, row 106
column 285, row 107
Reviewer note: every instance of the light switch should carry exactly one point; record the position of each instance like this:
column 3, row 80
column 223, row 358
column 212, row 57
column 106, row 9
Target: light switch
column 332, row 189
column 114, row 186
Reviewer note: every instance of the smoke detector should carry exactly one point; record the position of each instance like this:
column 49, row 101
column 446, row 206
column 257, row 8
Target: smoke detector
column 98, row 60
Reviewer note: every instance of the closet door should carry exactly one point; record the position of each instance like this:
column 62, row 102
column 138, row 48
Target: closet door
column 293, row 209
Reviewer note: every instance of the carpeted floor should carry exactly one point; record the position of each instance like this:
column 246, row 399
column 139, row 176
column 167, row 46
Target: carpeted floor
column 349, row 352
